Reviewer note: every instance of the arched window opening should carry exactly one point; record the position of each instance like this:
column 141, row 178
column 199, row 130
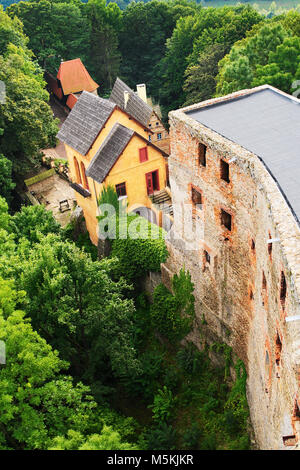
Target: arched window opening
column 270, row 246
column 296, row 413
column 282, row 289
column 85, row 181
column 77, row 171
column 278, row 349
column 267, row 371
column 264, row 282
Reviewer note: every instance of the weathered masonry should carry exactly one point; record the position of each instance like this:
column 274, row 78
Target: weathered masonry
column 234, row 174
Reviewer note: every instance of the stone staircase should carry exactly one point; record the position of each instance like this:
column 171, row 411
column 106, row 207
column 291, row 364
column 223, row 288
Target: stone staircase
column 162, row 200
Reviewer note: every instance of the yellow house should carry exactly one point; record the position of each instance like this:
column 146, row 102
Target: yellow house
column 137, row 104
column 106, row 145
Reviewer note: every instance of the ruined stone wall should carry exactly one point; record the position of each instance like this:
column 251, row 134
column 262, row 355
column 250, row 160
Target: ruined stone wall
column 237, row 275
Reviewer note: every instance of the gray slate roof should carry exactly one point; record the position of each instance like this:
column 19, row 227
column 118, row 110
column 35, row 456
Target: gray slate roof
column 267, row 124
column 109, row 152
column 85, row 121
column 136, row 107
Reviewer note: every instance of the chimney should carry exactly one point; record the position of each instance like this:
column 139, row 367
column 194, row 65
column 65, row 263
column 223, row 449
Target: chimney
column 141, row 91
column 126, row 98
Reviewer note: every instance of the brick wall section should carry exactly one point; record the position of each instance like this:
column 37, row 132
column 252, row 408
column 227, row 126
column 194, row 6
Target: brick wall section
column 230, row 294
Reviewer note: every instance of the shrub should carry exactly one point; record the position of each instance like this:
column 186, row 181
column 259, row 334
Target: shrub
column 171, row 378
column 141, row 320
column 32, row 222
column 138, row 255
column 162, row 438
column 189, row 358
column 146, row 383
column 209, row 442
column 172, row 315
column 163, row 405
column 191, row 437
column 236, row 403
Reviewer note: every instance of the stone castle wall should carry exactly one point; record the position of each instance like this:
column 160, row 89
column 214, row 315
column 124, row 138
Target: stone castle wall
column 237, row 274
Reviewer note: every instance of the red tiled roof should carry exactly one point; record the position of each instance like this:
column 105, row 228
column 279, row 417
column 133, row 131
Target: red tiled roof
column 71, row 101
column 74, row 77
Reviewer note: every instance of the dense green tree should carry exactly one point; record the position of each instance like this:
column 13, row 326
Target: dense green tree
column 200, row 82
column 39, row 405
column 5, row 218
column 143, row 249
column 30, row 383
column 32, row 222
column 56, row 30
column 270, row 56
column 109, row 439
column 145, row 28
column 174, row 64
column 11, row 32
column 75, row 305
column 26, row 119
column 6, row 184
column 104, row 22
column 191, row 36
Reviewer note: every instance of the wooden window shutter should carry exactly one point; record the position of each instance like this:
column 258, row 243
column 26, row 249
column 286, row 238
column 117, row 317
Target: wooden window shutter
column 143, row 154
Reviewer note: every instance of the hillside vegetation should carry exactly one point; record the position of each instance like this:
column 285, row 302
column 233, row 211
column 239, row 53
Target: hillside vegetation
column 91, row 362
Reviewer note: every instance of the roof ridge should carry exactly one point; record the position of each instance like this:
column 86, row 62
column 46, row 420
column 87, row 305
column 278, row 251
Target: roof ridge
column 109, row 152
column 135, row 106
column 85, row 121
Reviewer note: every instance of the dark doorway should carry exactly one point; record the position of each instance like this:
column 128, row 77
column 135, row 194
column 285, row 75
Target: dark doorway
column 152, row 182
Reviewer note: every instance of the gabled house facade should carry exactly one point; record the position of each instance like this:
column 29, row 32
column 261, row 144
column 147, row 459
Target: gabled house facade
column 136, row 103
column 106, row 145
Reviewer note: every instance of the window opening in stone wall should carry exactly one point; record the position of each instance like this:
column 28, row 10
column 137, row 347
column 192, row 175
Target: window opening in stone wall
column 289, row 440
column 207, row 256
column 202, row 154
column 296, row 413
column 264, row 282
column 278, row 349
column 224, row 171
column 282, row 289
column 226, row 219
column 196, row 197
column 270, row 246
column 267, row 369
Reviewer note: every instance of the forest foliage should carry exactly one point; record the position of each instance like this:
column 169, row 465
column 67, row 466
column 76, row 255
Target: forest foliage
column 184, row 52
column 108, row 368
column 105, row 366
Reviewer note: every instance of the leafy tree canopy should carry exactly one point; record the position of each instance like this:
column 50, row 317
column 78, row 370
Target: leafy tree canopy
column 26, row 119
column 270, row 56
